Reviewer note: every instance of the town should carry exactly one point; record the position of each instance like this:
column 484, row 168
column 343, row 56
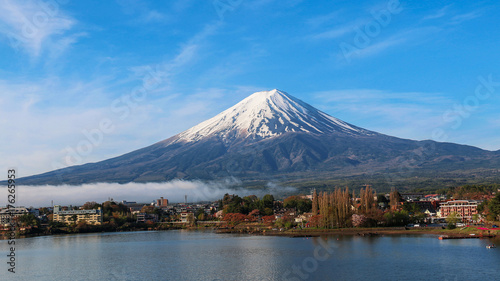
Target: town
column 460, row 207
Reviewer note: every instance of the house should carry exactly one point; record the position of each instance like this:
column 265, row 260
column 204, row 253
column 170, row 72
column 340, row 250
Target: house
column 186, row 216
column 412, row 196
column 7, row 214
column 303, row 218
column 145, row 217
column 69, row 216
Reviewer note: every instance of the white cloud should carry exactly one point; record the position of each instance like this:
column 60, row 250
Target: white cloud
column 438, row 14
column 458, row 19
column 340, row 30
column 46, row 117
column 174, row 191
column 35, row 25
column 409, row 115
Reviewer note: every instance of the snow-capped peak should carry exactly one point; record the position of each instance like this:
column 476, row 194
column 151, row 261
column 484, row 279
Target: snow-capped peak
column 267, row 114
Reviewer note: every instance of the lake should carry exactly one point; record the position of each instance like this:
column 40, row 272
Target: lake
column 204, row 255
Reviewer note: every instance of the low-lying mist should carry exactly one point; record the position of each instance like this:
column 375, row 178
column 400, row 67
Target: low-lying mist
column 174, row 191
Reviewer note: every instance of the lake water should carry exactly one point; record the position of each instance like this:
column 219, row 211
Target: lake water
column 200, row 255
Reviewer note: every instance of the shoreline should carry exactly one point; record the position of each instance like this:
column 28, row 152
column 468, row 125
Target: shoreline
column 313, row 232
column 367, row 232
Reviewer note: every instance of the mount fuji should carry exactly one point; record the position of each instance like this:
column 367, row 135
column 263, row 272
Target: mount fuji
column 273, row 136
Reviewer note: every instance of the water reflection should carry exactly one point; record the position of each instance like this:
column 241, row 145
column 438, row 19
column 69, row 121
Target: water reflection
column 204, row 255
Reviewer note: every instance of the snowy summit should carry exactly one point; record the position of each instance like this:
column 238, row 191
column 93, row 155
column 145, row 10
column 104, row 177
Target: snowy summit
column 268, row 114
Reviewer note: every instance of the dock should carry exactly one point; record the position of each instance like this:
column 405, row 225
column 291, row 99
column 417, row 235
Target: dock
column 465, row 237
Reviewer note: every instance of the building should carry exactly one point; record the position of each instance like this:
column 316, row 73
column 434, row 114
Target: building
column 7, row 214
column 161, row 203
column 412, row 196
column 187, row 217
column 90, row 216
column 465, row 208
column 145, row 217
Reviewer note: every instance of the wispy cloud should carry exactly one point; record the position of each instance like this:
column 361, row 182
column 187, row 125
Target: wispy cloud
column 338, row 31
column 141, row 13
column 57, row 121
column 438, row 14
column 458, row 19
column 33, row 27
column 321, row 20
column 406, row 114
column 451, row 17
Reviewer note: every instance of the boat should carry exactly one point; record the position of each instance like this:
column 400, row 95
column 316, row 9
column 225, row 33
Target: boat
column 491, row 247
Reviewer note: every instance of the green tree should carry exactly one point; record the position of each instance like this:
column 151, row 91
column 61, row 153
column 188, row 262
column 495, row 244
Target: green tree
column 268, row 201
column 452, row 220
column 302, row 205
column 200, row 214
column 73, row 218
column 397, row 218
column 475, row 217
column 494, row 208
column 28, row 220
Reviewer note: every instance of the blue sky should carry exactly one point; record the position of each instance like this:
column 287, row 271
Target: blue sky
column 131, row 73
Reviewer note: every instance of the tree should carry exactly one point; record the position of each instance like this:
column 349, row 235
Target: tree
column 334, row 209
column 200, row 214
column 382, row 199
column 358, row 220
column 452, row 220
column 232, row 204
column 494, row 208
column 191, row 219
column 315, row 203
column 395, row 198
column 250, row 203
column 90, row 205
column 367, row 200
column 475, row 218
column 397, row 218
column 268, row 219
column 268, row 201
column 148, row 209
column 28, row 220
column 302, row 205
column 73, row 218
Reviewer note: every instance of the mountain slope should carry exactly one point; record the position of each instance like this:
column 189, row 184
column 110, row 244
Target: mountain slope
column 269, row 136
column 268, row 114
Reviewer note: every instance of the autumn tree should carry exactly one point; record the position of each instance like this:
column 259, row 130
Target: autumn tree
column 148, row 209
column 367, row 196
column 315, row 207
column 394, row 199
column 334, row 209
column 90, row 205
